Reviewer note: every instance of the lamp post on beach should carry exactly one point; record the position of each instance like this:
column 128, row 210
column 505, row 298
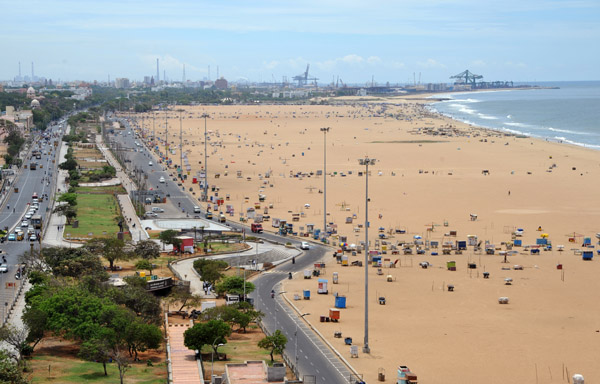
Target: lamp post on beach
column 296, row 348
column 166, row 134
column 181, row 140
column 366, row 162
column 325, row 130
column 205, row 197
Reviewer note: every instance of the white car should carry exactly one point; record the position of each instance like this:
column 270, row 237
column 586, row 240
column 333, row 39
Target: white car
column 304, row 245
column 25, row 224
column 3, row 268
column 28, row 215
column 161, row 180
column 150, row 163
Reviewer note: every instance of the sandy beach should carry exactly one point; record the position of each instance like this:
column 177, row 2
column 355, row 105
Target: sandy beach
column 431, row 174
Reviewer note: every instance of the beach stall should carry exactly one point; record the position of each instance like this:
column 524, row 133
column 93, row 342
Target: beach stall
column 472, row 240
column 334, row 314
column 344, row 260
column 587, row 255
column 405, row 376
column 451, row 265
column 335, row 277
column 307, row 273
column 518, row 242
column 306, row 294
column 340, row 301
column 322, row 286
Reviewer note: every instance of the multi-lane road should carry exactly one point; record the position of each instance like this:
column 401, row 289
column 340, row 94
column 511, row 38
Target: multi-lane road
column 13, row 209
column 312, row 355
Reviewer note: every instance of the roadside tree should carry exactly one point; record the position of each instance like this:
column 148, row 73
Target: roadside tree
column 274, row 343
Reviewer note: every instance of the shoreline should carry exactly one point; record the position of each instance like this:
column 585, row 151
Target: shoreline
column 432, row 172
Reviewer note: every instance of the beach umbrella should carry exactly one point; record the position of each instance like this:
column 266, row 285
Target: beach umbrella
column 417, row 237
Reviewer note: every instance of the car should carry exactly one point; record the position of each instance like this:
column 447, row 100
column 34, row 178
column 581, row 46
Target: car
column 12, row 237
column 150, row 163
column 28, row 215
column 150, row 214
column 33, row 238
column 35, row 206
column 161, row 180
column 196, row 209
column 25, row 224
column 304, row 245
column 3, row 267
column 157, row 210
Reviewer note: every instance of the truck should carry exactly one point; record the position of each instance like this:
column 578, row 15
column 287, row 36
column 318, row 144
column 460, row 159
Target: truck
column 33, row 166
column 256, row 228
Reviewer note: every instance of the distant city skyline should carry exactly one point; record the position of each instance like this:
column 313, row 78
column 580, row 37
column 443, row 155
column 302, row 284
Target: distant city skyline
column 266, row 40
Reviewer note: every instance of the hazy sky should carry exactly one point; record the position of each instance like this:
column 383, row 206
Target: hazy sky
column 520, row 40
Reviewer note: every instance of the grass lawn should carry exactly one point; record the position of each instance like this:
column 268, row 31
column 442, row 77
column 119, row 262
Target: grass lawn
column 96, row 214
column 118, row 189
column 56, row 363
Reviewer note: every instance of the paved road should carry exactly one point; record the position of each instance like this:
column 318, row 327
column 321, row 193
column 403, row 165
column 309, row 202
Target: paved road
column 15, row 207
column 314, row 357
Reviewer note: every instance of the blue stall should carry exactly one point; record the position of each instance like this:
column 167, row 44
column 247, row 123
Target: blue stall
column 340, row 301
column 306, row 294
column 518, row 242
column 587, row 255
column 542, row 241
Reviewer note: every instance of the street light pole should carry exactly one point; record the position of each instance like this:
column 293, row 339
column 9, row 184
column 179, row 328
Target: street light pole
column 325, row 130
column 366, row 162
column 212, row 356
column 181, row 141
column 205, row 197
column 166, row 135
column 296, row 348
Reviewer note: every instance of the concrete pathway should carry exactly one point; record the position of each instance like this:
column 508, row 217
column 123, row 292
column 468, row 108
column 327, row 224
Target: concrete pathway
column 186, row 271
column 127, row 209
column 184, row 367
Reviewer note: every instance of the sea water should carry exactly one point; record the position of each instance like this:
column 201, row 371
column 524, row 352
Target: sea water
column 570, row 113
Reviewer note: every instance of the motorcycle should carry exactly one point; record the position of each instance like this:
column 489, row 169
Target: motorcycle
column 272, row 294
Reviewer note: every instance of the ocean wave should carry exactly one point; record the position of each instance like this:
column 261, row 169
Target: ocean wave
column 486, row 117
column 464, row 100
column 562, row 139
column 518, row 125
column 569, row 131
column 463, row 109
column 509, row 116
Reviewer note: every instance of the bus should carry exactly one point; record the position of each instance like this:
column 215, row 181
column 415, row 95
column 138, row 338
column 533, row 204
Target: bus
column 36, row 221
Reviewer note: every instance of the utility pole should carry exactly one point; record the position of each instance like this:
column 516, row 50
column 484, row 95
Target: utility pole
column 205, row 197
column 181, row 141
column 325, row 130
column 366, row 162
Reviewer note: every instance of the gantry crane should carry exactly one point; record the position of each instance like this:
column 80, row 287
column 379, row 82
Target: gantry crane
column 467, row 77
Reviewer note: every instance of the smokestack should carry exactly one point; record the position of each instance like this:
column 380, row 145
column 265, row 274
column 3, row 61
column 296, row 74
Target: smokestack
column 157, row 76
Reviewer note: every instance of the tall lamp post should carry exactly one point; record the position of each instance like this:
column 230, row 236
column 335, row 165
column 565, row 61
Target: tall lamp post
column 166, row 134
column 296, row 348
column 366, row 162
column 181, row 141
column 325, row 130
column 205, row 197
column 212, row 356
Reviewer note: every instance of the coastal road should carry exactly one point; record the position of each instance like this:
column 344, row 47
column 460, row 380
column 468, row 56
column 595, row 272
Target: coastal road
column 313, row 356
column 16, row 205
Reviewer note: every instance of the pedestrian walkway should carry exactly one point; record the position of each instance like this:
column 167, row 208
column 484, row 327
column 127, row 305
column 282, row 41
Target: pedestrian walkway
column 54, row 231
column 184, row 367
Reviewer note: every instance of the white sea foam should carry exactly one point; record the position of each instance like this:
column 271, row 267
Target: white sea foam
column 486, row 117
column 569, row 131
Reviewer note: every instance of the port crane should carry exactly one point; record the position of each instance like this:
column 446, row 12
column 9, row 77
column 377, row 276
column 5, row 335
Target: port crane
column 303, row 78
column 467, row 77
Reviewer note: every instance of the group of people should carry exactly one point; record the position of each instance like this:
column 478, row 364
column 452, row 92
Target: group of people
column 207, row 287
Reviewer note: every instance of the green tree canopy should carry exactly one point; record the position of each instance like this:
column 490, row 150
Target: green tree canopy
column 234, row 285
column 213, row 333
column 69, row 198
column 73, row 262
column 210, row 270
column 147, row 249
column 111, row 249
column 274, row 343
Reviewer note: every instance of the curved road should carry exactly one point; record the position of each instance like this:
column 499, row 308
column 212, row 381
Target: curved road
column 314, row 357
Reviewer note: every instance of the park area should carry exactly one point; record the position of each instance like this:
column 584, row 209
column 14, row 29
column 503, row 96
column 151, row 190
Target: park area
column 55, row 361
column 98, row 213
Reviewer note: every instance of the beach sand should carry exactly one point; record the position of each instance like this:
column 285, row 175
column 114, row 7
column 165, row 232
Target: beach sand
column 429, row 172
